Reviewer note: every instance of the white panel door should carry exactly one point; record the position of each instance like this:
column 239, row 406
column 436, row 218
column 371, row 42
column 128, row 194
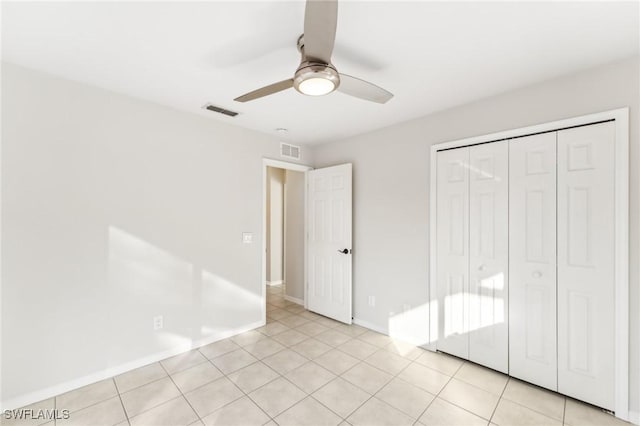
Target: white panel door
column 586, row 321
column 489, row 255
column 329, row 242
column 452, row 265
column 532, row 260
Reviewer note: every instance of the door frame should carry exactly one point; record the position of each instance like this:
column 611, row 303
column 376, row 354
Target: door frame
column 621, row 206
column 269, row 162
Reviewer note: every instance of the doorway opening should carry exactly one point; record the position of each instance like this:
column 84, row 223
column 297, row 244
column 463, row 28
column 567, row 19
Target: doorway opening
column 284, row 234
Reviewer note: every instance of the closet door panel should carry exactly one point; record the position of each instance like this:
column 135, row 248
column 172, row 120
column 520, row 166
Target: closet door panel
column 488, row 251
column 452, row 266
column 586, row 323
column 532, row 260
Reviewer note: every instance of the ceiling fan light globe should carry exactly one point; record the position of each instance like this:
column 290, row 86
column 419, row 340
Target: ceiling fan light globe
column 316, row 79
column 316, row 86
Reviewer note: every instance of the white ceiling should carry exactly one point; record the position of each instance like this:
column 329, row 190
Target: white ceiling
column 432, row 55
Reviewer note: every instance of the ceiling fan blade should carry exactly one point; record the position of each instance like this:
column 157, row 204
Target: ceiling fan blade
column 320, row 22
column 266, row 90
column 363, row 89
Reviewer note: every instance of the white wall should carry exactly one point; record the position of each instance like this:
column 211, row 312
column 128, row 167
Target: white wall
column 294, row 233
column 391, row 189
column 116, row 210
column 275, row 225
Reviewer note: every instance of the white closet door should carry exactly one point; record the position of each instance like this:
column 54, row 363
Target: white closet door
column 488, row 255
column 532, row 260
column 586, row 263
column 453, row 251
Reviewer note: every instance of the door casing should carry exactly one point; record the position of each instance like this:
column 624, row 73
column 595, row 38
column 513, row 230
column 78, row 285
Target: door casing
column 268, row 162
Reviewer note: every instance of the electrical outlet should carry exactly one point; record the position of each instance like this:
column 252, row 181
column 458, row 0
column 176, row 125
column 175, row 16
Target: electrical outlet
column 247, row 237
column 372, row 301
column 158, row 322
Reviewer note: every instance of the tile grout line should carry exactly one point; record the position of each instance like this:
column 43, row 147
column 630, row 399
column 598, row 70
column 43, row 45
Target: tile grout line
column 126, row 415
column 119, row 393
column 383, row 349
column 351, row 412
column 321, row 403
column 360, row 361
column 55, row 403
column 474, row 386
column 499, row 399
column 244, row 393
column 226, row 377
column 535, row 410
column 265, row 384
column 359, row 387
column 248, row 396
column 270, row 381
column 373, row 395
column 320, row 321
column 310, row 395
column 180, row 390
column 440, row 391
column 206, row 360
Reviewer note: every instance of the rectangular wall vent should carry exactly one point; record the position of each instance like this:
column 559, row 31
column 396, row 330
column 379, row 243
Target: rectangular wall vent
column 220, row 110
column 289, row 151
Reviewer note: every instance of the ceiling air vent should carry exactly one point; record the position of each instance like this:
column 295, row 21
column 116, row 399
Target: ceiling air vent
column 220, row 110
column 289, row 151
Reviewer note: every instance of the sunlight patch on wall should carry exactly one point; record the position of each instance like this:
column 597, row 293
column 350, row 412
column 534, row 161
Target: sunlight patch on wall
column 410, row 326
column 226, row 303
column 146, row 281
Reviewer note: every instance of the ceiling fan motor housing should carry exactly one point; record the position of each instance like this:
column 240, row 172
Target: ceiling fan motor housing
column 316, row 72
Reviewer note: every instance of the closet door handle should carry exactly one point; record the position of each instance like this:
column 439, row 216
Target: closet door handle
column 482, row 268
column 536, row 274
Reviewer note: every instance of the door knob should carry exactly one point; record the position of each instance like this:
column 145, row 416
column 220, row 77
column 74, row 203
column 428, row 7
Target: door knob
column 481, row 268
column 536, row 274
column 344, row 251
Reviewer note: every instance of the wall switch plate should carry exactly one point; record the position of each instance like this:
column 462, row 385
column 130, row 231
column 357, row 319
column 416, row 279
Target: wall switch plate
column 372, row 301
column 247, row 237
column 158, row 322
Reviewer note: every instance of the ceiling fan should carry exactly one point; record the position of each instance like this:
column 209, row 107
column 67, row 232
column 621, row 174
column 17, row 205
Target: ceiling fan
column 316, row 75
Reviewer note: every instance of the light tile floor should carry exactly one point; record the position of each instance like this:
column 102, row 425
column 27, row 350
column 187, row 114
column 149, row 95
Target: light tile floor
column 305, row 369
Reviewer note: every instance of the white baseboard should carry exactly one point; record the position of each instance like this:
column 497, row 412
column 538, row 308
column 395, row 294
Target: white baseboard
column 294, row 300
column 270, row 283
column 406, row 339
column 370, row 326
column 634, row 417
column 430, row 347
column 49, row 392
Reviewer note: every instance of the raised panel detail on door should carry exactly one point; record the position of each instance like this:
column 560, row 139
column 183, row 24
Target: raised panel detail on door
column 532, row 259
column 488, row 255
column 329, row 269
column 586, row 322
column 453, row 251
column 534, row 336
